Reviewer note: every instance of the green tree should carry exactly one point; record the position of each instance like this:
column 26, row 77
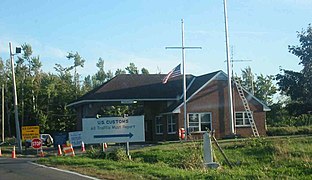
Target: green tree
column 28, row 77
column 265, row 89
column 298, row 85
column 100, row 76
column 78, row 61
column 132, row 69
column 109, row 75
column 87, row 84
column 262, row 87
column 119, row 71
column 144, row 71
column 248, row 79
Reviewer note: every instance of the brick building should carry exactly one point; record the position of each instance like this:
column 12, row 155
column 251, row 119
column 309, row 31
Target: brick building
column 162, row 105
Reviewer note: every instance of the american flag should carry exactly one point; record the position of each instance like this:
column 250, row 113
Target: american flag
column 173, row 73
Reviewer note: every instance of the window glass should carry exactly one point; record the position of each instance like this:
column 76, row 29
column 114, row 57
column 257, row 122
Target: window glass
column 171, row 122
column 199, row 121
column 241, row 119
column 159, row 125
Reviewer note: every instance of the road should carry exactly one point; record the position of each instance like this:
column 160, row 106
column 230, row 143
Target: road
column 23, row 168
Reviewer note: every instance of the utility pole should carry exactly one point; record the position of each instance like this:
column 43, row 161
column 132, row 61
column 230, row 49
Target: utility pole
column 184, row 79
column 2, row 115
column 17, row 126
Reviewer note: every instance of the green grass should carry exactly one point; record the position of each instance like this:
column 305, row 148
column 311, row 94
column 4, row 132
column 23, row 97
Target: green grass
column 264, row 158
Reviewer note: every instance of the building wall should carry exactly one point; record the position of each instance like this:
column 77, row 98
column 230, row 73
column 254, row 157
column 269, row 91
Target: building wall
column 151, row 110
column 214, row 99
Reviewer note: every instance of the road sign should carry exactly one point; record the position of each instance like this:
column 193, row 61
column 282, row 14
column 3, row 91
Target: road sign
column 36, row 143
column 75, row 138
column 113, row 129
column 30, row 132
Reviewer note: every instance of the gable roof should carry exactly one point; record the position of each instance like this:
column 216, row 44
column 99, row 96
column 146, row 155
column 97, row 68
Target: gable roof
column 149, row 87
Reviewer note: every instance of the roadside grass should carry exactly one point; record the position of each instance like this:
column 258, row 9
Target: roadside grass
column 262, row 158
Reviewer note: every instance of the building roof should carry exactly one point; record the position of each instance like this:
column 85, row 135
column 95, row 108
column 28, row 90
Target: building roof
column 148, row 87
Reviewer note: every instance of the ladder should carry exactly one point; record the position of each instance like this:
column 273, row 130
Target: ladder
column 247, row 108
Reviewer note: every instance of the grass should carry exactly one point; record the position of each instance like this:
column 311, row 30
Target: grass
column 264, row 158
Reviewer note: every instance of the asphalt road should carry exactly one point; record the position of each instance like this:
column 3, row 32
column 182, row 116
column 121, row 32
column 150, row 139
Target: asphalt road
column 24, row 169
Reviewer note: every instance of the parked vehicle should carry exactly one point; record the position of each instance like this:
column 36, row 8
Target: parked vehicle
column 46, row 139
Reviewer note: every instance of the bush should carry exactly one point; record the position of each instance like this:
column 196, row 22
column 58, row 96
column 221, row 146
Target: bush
column 117, row 154
column 283, row 131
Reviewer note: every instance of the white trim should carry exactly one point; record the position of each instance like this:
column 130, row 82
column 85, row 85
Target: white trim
column 215, row 76
column 120, row 100
column 265, row 107
column 188, row 87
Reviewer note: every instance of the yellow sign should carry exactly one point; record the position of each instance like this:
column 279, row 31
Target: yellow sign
column 30, row 132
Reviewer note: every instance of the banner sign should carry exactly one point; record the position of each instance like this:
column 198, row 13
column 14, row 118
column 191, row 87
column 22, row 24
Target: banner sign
column 30, row 132
column 113, row 129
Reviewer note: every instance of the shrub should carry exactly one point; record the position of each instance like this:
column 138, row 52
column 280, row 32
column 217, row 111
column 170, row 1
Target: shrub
column 283, row 131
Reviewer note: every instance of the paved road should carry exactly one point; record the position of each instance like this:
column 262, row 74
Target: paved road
column 23, row 168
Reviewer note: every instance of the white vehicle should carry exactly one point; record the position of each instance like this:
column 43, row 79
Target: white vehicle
column 46, row 139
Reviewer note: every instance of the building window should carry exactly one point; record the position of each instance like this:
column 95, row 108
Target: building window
column 171, row 122
column 159, row 125
column 241, row 119
column 199, row 122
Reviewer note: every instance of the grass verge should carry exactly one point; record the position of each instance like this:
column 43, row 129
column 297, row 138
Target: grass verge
column 264, row 158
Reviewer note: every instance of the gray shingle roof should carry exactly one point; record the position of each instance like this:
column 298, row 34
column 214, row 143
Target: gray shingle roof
column 144, row 87
column 150, row 88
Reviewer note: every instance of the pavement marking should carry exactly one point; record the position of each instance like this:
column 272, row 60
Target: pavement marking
column 66, row 171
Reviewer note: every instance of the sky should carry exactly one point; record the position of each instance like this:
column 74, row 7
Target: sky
column 125, row 31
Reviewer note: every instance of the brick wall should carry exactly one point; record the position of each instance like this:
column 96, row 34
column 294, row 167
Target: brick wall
column 214, row 98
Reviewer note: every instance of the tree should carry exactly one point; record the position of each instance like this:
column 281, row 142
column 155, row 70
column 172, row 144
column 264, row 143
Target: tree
column 144, row 71
column 119, row 71
column 28, row 77
column 298, row 85
column 132, row 69
column 248, row 79
column 265, row 89
column 262, row 87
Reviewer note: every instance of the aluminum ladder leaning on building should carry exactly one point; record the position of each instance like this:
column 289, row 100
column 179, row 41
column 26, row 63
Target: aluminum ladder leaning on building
column 247, row 108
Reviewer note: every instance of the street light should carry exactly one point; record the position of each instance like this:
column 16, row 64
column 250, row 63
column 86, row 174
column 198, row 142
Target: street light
column 17, row 126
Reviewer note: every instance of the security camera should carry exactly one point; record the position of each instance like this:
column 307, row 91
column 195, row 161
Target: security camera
column 18, row 50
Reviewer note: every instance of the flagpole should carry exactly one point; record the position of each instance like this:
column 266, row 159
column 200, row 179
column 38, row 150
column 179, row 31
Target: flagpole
column 184, row 81
column 232, row 131
column 184, row 78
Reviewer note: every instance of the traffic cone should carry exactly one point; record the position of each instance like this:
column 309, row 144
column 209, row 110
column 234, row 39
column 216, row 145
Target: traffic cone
column 59, row 151
column 71, row 147
column 104, row 147
column 41, row 154
column 0, row 152
column 83, row 148
column 13, row 153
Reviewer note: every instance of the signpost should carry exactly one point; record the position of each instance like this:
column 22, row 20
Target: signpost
column 30, row 132
column 36, row 143
column 113, row 129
